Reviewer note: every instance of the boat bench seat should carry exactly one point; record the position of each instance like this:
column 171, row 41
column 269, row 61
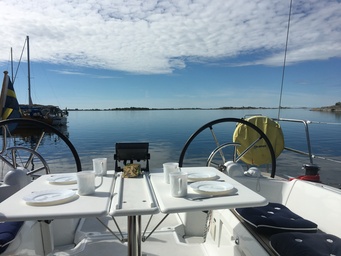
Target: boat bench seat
column 8, row 232
column 264, row 221
column 318, row 203
column 274, row 218
column 314, row 202
column 298, row 244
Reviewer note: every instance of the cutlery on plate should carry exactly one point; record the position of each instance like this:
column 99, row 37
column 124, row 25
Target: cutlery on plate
column 207, row 196
column 192, row 181
column 199, row 197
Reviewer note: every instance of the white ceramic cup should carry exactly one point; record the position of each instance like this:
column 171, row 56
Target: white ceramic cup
column 169, row 168
column 100, row 166
column 178, row 184
column 86, row 183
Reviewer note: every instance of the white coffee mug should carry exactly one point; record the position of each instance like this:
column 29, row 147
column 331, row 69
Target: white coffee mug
column 178, row 184
column 86, row 183
column 100, row 166
column 169, row 168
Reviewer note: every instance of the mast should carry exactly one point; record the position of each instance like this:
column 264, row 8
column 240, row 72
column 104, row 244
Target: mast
column 29, row 72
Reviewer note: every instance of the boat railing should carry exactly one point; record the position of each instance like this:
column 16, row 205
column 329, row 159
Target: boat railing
column 309, row 152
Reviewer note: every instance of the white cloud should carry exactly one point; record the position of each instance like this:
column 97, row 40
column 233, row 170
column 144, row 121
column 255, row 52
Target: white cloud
column 160, row 36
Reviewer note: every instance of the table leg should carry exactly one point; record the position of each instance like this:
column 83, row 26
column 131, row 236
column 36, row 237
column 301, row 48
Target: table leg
column 134, row 236
column 47, row 236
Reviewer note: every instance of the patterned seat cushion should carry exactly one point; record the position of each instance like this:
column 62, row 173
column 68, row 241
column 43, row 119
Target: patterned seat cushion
column 8, row 231
column 304, row 244
column 275, row 218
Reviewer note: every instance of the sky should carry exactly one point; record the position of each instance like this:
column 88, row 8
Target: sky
column 174, row 54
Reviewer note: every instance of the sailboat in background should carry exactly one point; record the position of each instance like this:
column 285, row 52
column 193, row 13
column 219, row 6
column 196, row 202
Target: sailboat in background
column 49, row 114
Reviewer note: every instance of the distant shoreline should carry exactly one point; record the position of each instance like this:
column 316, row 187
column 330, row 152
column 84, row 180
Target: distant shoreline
column 334, row 108
column 145, row 109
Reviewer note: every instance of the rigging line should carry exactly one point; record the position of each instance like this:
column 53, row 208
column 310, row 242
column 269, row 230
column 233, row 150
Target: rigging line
column 285, row 59
column 12, row 72
column 22, row 53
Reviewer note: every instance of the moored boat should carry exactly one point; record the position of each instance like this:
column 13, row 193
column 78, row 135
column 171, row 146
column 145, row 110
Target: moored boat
column 49, row 114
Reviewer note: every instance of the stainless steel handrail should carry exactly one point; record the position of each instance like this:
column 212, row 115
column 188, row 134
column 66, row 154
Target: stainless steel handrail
column 309, row 153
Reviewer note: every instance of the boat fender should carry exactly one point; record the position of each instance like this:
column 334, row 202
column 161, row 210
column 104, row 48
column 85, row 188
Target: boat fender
column 259, row 154
column 234, row 169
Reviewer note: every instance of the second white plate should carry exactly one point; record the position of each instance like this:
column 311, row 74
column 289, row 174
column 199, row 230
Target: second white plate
column 50, row 197
column 200, row 176
column 63, row 179
column 213, row 188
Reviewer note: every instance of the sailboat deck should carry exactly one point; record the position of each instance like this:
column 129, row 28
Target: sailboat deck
column 168, row 239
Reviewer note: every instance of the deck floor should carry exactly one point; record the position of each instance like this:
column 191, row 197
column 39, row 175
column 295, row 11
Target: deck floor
column 168, row 239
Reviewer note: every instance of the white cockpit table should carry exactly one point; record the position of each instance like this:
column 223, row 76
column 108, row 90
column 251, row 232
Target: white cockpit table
column 133, row 197
column 244, row 197
column 15, row 208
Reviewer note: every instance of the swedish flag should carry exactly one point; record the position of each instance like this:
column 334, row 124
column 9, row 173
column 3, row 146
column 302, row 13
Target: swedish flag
column 9, row 105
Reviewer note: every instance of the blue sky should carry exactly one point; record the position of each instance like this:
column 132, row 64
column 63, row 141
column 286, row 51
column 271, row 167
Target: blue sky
column 159, row 54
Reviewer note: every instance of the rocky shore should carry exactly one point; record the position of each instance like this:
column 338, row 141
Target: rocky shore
column 334, row 108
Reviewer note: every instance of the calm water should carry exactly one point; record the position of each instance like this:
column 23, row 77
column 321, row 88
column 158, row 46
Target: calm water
column 94, row 134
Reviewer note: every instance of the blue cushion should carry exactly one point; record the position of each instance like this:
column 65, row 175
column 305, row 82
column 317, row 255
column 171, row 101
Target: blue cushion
column 303, row 244
column 274, row 218
column 8, row 231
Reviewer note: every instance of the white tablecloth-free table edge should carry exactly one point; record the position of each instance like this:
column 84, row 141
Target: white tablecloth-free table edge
column 15, row 208
column 169, row 204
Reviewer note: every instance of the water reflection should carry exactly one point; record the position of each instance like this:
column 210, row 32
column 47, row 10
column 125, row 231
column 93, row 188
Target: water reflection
column 94, row 134
column 24, row 144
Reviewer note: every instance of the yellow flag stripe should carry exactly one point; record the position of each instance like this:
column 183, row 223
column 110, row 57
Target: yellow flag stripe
column 11, row 93
column 7, row 113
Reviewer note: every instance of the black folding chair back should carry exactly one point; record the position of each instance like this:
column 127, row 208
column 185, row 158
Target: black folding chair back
column 132, row 152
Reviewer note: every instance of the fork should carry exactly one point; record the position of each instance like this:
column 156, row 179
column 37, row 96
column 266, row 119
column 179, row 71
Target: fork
column 207, row 196
column 200, row 197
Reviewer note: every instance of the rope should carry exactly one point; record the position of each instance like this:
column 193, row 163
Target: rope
column 207, row 224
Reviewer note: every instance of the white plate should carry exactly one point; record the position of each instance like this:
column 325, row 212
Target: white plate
column 50, row 197
column 63, row 179
column 199, row 176
column 213, row 188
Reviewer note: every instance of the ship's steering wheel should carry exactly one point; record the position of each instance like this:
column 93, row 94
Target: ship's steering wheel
column 22, row 147
column 219, row 146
